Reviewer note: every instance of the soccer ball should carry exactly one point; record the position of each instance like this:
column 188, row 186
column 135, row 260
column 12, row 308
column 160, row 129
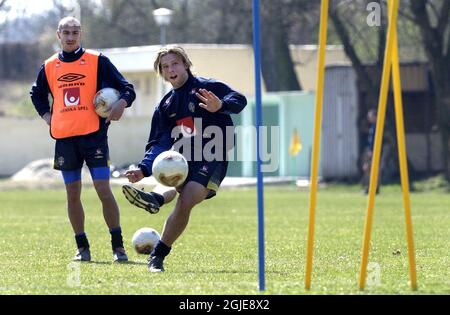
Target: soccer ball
column 170, row 168
column 103, row 100
column 144, row 240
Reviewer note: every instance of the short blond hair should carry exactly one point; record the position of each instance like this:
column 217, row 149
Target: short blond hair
column 68, row 21
column 176, row 50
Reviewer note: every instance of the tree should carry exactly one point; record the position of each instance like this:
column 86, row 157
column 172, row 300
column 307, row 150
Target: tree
column 277, row 65
column 130, row 23
column 3, row 8
column 361, row 26
column 362, row 44
column 121, row 23
column 432, row 17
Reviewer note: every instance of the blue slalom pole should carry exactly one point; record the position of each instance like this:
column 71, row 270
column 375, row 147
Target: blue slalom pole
column 257, row 56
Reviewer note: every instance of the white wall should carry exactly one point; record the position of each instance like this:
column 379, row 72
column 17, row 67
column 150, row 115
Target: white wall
column 416, row 146
column 26, row 140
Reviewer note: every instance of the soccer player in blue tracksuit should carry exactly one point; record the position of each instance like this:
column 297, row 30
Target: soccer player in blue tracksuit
column 368, row 151
column 186, row 115
column 73, row 76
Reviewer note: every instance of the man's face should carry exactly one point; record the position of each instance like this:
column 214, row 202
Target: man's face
column 372, row 117
column 174, row 70
column 69, row 38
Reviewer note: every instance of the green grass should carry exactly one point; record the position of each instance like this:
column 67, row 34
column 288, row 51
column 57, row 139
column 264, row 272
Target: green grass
column 217, row 254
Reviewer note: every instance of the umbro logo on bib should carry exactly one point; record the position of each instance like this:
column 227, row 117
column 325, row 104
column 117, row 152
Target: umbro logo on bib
column 71, row 77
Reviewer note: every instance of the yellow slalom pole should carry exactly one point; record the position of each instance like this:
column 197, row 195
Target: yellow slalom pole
column 402, row 157
column 393, row 13
column 316, row 140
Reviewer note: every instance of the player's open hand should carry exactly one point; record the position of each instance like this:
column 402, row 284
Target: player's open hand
column 117, row 110
column 134, row 175
column 209, row 100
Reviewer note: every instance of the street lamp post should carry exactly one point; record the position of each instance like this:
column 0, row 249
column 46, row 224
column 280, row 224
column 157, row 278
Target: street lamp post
column 162, row 17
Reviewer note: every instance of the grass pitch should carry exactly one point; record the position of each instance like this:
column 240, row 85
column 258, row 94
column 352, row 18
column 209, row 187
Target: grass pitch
column 217, row 254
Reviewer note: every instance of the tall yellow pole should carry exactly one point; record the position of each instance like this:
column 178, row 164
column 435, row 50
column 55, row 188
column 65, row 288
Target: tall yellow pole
column 316, row 140
column 393, row 13
column 402, row 157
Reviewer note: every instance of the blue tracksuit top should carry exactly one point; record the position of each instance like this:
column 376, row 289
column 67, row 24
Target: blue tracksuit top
column 180, row 107
column 371, row 136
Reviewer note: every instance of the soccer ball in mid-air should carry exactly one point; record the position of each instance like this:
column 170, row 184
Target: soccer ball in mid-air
column 103, row 100
column 170, row 168
column 144, row 240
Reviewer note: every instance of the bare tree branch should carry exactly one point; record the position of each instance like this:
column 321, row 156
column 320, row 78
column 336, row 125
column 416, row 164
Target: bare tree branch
column 381, row 42
column 349, row 48
column 434, row 39
column 155, row 4
column 357, row 33
column 138, row 9
column 433, row 9
column 430, row 35
column 444, row 18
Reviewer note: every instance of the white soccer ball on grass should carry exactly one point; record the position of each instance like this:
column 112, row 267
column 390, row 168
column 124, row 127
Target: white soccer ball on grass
column 103, row 100
column 170, row 168
column 144, row 240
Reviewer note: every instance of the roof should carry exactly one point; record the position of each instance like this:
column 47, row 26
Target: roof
column 132, row 59
column 141, row 58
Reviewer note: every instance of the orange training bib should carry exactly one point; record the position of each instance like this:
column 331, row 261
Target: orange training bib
column 73, row 86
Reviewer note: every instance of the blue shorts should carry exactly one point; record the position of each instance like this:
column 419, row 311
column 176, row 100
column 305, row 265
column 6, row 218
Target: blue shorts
column 208, row 174
column 71, row 153
column 97, row 173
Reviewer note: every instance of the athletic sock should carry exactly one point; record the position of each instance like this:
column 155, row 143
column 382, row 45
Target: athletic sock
column 161, row 250
column 82, row 241
column 159, row 198
column 116, row 237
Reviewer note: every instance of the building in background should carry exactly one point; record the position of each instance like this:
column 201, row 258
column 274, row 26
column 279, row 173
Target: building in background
column 228, row 63
column 290, row 111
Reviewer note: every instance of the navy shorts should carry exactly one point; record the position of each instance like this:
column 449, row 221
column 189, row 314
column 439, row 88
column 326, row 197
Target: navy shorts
column 71, row 153
column 208, row 174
